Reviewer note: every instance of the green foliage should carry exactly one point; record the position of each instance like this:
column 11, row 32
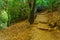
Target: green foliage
column 50, row 4
column 17, row 10
column 3, row 19
column 3, row 16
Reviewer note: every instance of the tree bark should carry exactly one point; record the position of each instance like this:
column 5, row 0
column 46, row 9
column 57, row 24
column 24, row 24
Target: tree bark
column 31, row 19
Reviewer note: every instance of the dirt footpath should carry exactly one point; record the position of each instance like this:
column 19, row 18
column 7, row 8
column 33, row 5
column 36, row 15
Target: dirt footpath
column 39, row 34
column 41, row 31
column 24, row 31
column 18, row 31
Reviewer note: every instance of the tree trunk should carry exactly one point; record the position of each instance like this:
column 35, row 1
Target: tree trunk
column 31, row 19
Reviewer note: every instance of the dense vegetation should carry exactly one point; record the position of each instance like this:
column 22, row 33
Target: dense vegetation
column 17, row 10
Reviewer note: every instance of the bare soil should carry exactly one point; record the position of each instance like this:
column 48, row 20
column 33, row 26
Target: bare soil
column 39, row 30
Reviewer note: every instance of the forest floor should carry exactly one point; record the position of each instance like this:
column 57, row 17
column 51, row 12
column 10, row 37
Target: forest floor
column 37, row 31
column 42, row 31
